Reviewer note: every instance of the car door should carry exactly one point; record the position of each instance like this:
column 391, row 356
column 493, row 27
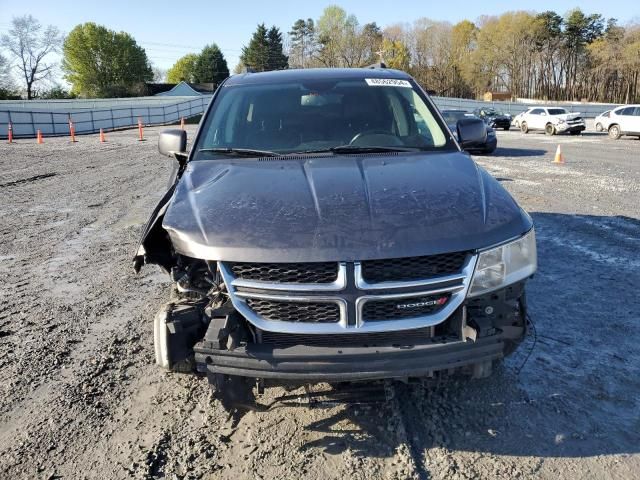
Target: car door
column 536, row 119
column 624, row 118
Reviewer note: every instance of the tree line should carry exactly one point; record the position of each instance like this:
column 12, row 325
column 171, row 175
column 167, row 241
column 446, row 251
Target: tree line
column 546, row 55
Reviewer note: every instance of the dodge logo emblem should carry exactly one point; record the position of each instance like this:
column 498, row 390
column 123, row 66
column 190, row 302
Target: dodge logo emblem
column 422, row 303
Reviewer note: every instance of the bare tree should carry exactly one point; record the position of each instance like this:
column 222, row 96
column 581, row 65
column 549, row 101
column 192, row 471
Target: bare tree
column 30, row 44
column 5, row 74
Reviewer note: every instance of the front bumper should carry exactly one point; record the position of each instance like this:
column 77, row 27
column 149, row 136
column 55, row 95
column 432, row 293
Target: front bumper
column 567, row 127
column 497, row 318
column 323, row 364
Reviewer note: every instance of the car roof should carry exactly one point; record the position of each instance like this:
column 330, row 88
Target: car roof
column 306, row 74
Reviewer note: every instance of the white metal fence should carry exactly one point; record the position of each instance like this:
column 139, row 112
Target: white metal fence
column 26, row 120
column 52, row 117
column 588, row 110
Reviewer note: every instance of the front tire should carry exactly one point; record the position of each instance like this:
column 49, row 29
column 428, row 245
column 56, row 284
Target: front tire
column 549, row 129
column 614, row 132
column 599, row 127
column 506, row 129
column 524, row 128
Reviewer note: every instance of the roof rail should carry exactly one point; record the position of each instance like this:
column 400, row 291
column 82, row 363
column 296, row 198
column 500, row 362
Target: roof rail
column 377, row 65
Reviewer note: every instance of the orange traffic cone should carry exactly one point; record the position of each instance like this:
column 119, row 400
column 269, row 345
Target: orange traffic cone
column 72, row 132
column 39, row 137
column 559, row 158
column 10, row 133
column 102, row 139
column 140, row 130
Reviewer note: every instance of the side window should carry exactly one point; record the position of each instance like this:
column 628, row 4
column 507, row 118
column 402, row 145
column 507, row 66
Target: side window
column 536, row 111
column 637, row 113
column 625, row 111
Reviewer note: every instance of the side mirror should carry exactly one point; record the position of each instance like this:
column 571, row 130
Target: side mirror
column 172, row 142
column 472, row 132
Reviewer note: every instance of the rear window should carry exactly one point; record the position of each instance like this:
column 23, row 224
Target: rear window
column 294, row 117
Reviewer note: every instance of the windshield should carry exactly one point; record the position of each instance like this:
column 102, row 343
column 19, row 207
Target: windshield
column 320, row 115
column 452, row 116
column 556, row 111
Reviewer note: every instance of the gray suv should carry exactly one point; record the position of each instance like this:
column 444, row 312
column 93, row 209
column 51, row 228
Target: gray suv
column 327, row 226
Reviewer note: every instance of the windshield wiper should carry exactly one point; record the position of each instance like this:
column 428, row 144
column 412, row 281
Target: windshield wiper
column 243, row 152
column 341, row 149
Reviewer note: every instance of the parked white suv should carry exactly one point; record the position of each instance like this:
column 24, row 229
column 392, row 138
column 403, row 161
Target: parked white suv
column 602, row 121
column 551, row 120
column 624, row 120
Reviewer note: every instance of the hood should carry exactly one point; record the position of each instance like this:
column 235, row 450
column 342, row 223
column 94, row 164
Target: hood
column 567, row 116
column 335, row 208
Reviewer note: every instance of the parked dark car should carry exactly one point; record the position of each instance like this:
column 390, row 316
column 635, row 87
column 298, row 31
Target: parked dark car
column 453, row 116
column 494, row 118
column 315, row 233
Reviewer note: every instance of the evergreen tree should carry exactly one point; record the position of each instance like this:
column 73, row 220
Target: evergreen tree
column 277, row 59
column 265, row 51
column 256, row 54
column 211, row 66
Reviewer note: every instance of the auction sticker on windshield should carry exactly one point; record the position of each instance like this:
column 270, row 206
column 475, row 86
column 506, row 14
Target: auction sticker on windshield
column 387, row 82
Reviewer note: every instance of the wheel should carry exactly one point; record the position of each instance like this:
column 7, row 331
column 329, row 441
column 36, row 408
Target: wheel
column 599, row 127
column 524, row 128
column 506, row 129
column 614, row 132
column 549, row 129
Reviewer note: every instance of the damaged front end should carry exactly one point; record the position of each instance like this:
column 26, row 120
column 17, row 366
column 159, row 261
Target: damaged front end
column 247, row 325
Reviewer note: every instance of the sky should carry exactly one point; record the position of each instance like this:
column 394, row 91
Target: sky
column 171, row 29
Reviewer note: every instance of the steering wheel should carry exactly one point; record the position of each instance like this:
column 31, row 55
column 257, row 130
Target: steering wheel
column 382, row 135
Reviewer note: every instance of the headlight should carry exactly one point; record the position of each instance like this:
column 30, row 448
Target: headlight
column 561, row 121
column 504, row 265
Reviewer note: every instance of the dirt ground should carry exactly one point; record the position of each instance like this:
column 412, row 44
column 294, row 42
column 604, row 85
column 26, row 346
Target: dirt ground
column 80, row 396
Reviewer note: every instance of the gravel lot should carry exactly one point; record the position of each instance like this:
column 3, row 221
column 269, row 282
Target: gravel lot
column 80, row 396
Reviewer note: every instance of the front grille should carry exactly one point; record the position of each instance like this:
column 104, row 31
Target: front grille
column 320, row 272
column 401, row 338
column 397, row 309
column 412, row 268
column 282, row 311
